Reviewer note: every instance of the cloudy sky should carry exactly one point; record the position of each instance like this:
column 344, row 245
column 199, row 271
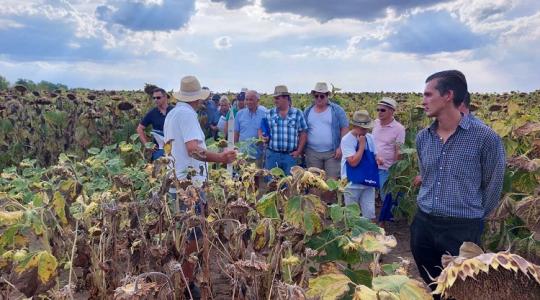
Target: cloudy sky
column 358, row 45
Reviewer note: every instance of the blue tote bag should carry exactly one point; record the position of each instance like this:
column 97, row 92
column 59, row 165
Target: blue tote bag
column 367, row 171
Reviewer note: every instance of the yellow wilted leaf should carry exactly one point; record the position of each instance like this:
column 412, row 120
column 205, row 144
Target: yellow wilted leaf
column 211, row 218
column 20, row 241
column 125, row 147
column 10, row 217
column 47, row 266
column 513, row 108
column 167, row 148
column 501, row 128
column 45, row 263
column 362, row 292
column 329, row 286
column 59, row 205
column 376, row 242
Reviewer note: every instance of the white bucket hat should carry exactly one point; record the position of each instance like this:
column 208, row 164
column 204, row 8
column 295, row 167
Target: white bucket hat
column 320, row 87
column 388, row 102
column 190, row 90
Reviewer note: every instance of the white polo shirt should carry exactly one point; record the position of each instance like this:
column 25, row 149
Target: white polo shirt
column 181, row 126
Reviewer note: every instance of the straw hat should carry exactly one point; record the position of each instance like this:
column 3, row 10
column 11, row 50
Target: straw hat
column 281, row 90
column 190, row 90
column 320, row 87
column 362, row 119
column 389, row 102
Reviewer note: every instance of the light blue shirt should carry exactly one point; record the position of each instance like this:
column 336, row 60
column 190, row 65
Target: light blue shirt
column 247, row 123
column 339, row 121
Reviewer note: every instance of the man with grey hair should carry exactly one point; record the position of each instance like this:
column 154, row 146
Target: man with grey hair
column 248, row 121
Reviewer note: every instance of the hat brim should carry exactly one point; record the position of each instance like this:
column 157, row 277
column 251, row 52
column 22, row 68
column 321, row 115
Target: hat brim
column 362, row 124
column 386, row 104
column 203, row 94
column 281, row 94
column 320, row 92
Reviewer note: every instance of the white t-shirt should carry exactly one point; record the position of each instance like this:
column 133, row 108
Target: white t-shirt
column 348, row 149
column 181, row 126
column 221, row 124
column 320, row 130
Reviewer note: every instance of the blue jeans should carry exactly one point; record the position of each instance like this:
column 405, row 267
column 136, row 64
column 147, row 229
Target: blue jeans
column 284, row 161
column 383, row 177
column 157, row 154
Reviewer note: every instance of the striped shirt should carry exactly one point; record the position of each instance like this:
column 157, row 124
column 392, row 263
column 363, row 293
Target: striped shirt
column 284, row 131
column 463, row 177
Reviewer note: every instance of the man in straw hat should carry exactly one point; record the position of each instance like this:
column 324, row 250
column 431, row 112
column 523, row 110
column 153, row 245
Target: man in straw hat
column 462, row 164
column 389, row 135
column 359, row 150
column 287, row 128
column 327, row 124
column 184, row 131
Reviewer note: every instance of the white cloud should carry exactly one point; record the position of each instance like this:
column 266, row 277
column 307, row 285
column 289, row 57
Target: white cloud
column 6, row 24
column 223, row 42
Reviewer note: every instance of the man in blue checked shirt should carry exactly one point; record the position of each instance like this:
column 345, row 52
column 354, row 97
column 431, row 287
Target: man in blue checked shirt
column 288, row 132
column 462, row 164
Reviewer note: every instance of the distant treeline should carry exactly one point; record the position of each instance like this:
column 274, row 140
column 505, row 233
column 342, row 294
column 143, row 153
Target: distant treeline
column 43, row 85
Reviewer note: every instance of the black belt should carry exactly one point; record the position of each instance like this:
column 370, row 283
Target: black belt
column 282, row 152
column 444, row 219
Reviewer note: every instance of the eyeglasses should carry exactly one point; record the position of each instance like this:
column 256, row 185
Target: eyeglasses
column 319, row 96
column 157, row 98
column 381, row 110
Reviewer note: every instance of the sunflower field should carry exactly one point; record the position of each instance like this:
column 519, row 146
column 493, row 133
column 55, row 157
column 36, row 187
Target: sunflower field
column 83, row 214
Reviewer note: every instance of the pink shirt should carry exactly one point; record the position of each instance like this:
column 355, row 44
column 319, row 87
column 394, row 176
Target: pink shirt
column 386, row 138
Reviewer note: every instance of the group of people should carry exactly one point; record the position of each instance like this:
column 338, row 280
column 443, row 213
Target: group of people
column 461, row 160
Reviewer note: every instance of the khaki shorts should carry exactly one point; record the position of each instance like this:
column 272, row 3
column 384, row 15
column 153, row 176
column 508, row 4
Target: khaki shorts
column 324, row 161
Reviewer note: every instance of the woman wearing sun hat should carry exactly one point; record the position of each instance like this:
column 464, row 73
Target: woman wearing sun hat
column 359, row 165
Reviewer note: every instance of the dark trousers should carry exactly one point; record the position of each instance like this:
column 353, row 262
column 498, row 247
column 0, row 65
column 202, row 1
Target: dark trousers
column 433, row 236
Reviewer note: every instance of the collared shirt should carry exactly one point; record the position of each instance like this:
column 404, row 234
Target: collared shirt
column 246, row 123
column 463, row 177
column 284, row 131
column 339, row 121
column 181, row 126
column 156, row 118
column 387, row 137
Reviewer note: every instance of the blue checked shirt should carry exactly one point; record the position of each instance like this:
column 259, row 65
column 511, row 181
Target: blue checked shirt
column 284, row 131
column 463, row 177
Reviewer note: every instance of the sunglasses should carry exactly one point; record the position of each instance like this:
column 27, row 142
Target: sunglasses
column 381, row 110
column 319, row 96
column 156, row 98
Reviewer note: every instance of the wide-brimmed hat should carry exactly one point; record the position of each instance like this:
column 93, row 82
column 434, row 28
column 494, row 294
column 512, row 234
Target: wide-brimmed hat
column 281, row 90
column 190, row 90
column 320, row 87
column 362, row 119
column 389, row 102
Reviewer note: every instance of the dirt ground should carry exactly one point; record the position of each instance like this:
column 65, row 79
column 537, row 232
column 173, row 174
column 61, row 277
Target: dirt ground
column 400, row 230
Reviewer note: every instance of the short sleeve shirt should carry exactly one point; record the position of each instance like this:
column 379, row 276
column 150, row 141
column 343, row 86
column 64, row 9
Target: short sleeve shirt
column 181, row 126
column 387, row 137
column 348, row 149
column 155, row 118
column 284, row 131
column 247, row 123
